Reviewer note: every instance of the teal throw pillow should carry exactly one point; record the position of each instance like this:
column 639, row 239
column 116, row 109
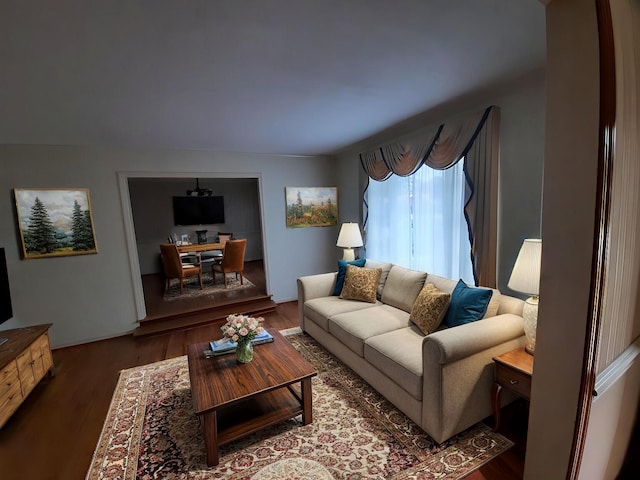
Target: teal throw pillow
column 342, row 271
column 468, row 304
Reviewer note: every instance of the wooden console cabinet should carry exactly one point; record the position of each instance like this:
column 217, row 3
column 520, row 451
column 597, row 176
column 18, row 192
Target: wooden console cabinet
column 25, row 358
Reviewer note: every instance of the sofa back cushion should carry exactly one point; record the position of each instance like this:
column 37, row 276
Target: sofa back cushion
column 441, row 283
column 494, row 303
column 402, row 287
column 385, row 267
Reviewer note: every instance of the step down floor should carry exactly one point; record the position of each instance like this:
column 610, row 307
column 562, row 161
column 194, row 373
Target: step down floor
column 157, row 325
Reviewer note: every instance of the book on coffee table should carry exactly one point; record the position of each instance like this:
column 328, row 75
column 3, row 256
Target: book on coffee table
column 219, row 347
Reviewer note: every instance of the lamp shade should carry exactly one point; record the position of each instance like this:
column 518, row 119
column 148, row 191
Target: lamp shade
column 525, row 276
column 349, row 236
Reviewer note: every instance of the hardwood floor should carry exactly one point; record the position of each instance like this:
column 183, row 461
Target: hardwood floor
column 190, row 311
column 153, row 287
column 53, row 434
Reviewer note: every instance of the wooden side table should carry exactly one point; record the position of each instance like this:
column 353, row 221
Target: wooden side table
column 513, row 371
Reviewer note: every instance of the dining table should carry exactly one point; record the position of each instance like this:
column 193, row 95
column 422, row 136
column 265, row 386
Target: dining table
column 198, row 249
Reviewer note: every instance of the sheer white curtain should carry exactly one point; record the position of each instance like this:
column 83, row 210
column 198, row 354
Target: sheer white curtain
column 418, row 222
column 387, row 233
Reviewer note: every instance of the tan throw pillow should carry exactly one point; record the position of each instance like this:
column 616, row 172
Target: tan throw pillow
column 429, row 308
column 360, row 283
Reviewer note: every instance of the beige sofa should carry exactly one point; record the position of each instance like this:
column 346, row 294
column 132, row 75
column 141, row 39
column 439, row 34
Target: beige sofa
column 442, row 381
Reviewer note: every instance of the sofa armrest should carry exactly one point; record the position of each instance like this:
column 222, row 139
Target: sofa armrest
column 458, row 372
column 451, row 344
column 314, row 286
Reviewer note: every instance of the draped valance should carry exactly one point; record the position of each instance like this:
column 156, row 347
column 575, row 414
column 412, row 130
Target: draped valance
column 473, row 137
column 440, row 148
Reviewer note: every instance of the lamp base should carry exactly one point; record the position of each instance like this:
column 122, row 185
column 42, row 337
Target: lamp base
column 348, row 254
column 530, row 316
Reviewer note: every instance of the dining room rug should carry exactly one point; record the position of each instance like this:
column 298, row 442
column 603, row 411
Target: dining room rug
column 191, row 286
column 152, row 432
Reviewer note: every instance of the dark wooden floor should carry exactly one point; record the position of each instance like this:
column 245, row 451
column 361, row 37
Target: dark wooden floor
column 53, row 434
column 153, row 287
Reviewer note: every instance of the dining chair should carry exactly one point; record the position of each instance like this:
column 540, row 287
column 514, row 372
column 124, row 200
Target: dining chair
column 225, row 236
column 174, row 268
column 232, row 260
column 215, row 256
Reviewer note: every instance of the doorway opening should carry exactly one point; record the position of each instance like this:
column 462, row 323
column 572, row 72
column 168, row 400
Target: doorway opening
column 149, row 221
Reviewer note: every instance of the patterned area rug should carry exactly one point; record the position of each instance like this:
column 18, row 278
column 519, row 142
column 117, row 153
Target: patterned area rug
column 151, row 432
column 192, row 289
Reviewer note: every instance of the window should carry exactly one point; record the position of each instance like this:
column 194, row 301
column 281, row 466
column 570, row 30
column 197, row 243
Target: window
column 418, row 222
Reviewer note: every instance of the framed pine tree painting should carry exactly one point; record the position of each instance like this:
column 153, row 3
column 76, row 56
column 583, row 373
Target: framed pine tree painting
column 55, row 222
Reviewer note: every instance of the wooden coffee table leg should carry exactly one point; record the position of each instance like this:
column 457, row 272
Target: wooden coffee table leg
column 307, row 415
column 211, row 438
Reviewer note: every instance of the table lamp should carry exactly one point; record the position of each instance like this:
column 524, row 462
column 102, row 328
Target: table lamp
column 525, row 278
column 348, row 238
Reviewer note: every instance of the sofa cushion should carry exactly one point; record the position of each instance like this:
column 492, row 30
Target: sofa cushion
column 398, row 354
column 402, row 287
column 441, row 283
column 360, row 283
column 383, row 276
column 468, row 304
column 342, row 270
column 319, row 310
column 429, row 308
column 494, row 303
column 354, row 328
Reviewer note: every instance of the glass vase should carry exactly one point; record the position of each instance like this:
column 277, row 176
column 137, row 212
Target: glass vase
column 244, row 351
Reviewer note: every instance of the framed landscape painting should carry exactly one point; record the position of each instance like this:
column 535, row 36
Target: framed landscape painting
column 311, row 206
column 55, row 222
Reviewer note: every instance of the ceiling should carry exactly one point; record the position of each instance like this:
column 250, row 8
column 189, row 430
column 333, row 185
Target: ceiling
column 296, row 77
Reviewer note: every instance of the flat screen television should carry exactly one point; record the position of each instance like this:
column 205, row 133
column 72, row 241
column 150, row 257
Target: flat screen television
column 198, row 210
column 6, row 311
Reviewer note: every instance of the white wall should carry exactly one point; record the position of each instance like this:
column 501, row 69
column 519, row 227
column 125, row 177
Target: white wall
column 522, row 139
column 90, row 297
column 611, row 419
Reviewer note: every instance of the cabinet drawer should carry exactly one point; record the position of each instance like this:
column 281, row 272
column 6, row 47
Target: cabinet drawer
column 8, row 374
column 41, row 355
column 9, row 381
column 8, row 389
column 514, row 380
column 25, row 371
column 10, row 400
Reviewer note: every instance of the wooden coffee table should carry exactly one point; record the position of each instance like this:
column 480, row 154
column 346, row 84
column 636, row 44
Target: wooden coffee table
column 234, row 400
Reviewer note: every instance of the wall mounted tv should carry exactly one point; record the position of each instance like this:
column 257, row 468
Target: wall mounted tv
column 198, row 210
column 6, row 311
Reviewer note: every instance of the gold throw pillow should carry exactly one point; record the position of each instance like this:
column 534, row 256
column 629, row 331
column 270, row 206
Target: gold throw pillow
column 429, row 308
column 360, row 283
